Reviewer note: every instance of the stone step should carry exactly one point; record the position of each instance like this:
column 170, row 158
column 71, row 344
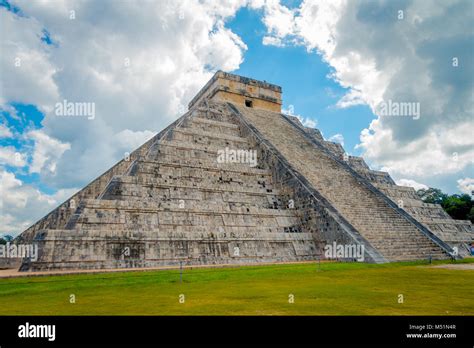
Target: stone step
column 415, row 253
column 207, row 199
column 416, row 257
column 206, row 121
column 195, row 134
column 367, row 212
column 208, row 153
column 194, row 206
column 214, row 129
column 151, row 183
column 267, row 201
column 181, row 232
column 404, row 246
column 178, row 163
column 223, row 181
column 193, row 172
column 176, row 144
column 144, row 220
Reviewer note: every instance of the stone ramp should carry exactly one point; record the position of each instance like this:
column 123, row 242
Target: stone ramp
column 456, row 233
column 176, row 203
column 173, row 201
column 63, row 213
column 396, row 238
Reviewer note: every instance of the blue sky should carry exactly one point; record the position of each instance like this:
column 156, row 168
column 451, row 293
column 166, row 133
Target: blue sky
column 304, row 79
column 28, row 117
column 336, row 61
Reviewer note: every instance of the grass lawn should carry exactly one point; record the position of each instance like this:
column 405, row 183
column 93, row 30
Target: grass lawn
column 335, row 289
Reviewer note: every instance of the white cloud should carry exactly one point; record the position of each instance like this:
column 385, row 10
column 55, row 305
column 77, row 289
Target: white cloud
column 272, row 41
column 8, row 183
column 27, row 72
column 139, row 64
column 337, row 138
column 412, row 183
column 129, row 140
column 10, row 156
column 224, row 49
column 47, row 152
column 305, row 121
column 379, row 58
column 441, row 151
column 278, row 19
column 5, row 132
column 21, row 204
column 352, row 98
column 466, row 185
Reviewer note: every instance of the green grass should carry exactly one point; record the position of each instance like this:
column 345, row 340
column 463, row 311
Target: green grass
column 336, row 289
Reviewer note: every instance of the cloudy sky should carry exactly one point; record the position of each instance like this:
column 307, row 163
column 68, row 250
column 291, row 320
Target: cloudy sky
column 140, row 62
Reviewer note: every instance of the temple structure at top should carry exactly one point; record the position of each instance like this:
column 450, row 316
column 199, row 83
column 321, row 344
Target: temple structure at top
column 172, row 200
column 239, row 90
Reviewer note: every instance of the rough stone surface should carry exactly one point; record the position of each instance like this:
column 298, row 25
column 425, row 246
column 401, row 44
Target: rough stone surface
column 174, row 202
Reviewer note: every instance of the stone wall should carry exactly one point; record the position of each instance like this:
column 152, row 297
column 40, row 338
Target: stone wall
column 389, row 230
column 178, row 204
column 237, row 89
column 173, row 201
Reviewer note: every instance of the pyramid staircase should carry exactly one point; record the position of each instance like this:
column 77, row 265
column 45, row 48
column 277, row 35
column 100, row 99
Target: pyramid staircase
column 176, row 203
column 172, row 201
column 389, row 230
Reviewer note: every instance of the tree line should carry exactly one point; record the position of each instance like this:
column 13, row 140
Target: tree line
column 459, row 207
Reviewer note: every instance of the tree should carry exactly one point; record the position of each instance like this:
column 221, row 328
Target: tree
column 470, row 216
column 459, row 207
column 8, row 238
column 431, row 195
column 5, row 239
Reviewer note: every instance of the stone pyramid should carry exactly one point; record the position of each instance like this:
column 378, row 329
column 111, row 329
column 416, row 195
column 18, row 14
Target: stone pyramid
column 235, row 181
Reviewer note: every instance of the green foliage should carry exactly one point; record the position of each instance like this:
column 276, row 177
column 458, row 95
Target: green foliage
column 459, row 207
column 5, row 239
column 431, row 195
column 470, row 216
